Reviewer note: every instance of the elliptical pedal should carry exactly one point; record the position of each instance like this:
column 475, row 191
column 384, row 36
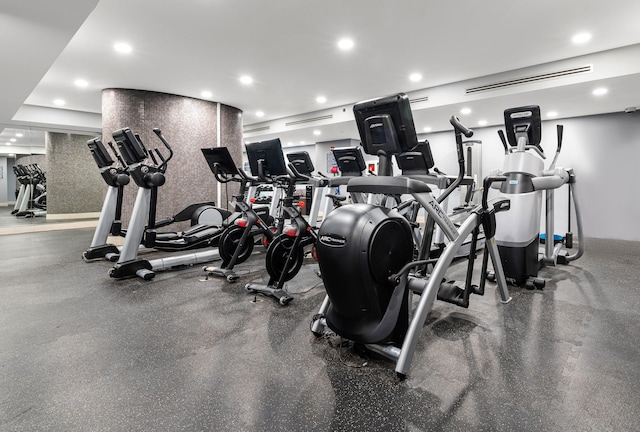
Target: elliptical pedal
column 451, row 293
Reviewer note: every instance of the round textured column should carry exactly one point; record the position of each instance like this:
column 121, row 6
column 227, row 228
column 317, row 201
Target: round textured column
column 189, row 125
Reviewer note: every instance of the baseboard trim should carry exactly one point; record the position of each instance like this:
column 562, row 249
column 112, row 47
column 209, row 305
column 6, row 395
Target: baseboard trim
column 71, row 216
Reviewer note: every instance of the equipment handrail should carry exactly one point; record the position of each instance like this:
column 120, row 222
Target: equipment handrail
column 163, row 165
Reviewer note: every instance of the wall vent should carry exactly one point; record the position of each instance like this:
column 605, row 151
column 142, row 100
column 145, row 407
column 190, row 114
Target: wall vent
column 309, row 120
column 529, row 79
column 420, row 99
column 258, row 129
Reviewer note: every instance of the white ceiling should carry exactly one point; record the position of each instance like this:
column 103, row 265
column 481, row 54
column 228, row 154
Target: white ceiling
column 289, row 48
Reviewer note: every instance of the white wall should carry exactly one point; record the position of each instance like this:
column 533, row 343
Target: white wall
column 4, row 175
column 603, row 150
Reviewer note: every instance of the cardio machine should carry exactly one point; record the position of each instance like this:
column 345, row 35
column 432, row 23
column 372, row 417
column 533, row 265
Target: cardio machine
column 418, row 164
column 518, row 233
column 236, row 242
column 365, row 252
column 285, row 253
column 149, row 176
column 32, row 195
column 109, row 223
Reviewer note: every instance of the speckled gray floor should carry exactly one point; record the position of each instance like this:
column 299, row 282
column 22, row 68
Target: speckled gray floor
column 82, row 352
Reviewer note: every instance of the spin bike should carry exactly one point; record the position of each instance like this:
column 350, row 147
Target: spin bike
column 266, row 160
column 365, row 252
column 236, row 243
column 286, row 252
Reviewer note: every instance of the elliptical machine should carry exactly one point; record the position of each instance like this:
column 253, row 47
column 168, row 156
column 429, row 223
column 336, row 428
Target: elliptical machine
column 518, row 235
column 142, row 226
column 365, row 251
column 32, row 196
column 109, row 223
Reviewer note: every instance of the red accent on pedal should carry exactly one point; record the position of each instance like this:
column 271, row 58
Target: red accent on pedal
column 252, row 200
column 241, row 222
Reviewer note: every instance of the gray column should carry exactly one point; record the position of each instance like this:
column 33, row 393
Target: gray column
column 74, row 184
column 189, row 125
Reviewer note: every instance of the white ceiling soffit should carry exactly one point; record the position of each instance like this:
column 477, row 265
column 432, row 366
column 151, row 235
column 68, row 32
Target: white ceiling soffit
column 58, row 119
column 38, row 31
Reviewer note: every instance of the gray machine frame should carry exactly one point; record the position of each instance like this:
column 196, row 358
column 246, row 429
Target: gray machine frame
column 427, row 287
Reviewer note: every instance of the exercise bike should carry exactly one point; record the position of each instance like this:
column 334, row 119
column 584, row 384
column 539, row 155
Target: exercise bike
column 286, row 252
column 266, row 161
column 235, row 245
column 365, row 252
column 518, row 235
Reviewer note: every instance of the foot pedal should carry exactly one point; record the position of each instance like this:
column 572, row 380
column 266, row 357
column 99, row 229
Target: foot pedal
column 475, row 289
column 281, row 295
column 451, row 293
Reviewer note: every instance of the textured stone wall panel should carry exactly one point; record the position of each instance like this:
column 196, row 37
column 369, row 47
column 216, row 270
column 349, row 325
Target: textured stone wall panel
column 188, row 125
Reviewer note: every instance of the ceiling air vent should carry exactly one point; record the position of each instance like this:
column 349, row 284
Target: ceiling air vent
column 420, row 99
column 530, row 79
column 258, row 129
column 309, row 120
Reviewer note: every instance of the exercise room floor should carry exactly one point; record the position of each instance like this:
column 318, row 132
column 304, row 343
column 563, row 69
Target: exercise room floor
column 82, row 352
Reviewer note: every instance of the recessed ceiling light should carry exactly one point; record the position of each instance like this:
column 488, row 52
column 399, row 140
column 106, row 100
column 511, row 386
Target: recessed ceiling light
column 581, row 38
column 122, row 47
column 552, row 114
column 415, row 77
column 321, row 99
column 345, row 44
column 259, row 113
column 302, row 142
column 11, row 154
column 317, row 132
column 81, row 82
column 206, row 94
column 13, row 140
column 246, row 79
column 7, row 143
column 427, row 129
column 600, row 91
column 19, row 135
column 465, row 111
column 482, row 122
column 59, row 102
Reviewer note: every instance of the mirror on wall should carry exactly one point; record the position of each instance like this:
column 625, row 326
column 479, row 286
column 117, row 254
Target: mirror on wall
column 18, row 145
column 16, row 141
